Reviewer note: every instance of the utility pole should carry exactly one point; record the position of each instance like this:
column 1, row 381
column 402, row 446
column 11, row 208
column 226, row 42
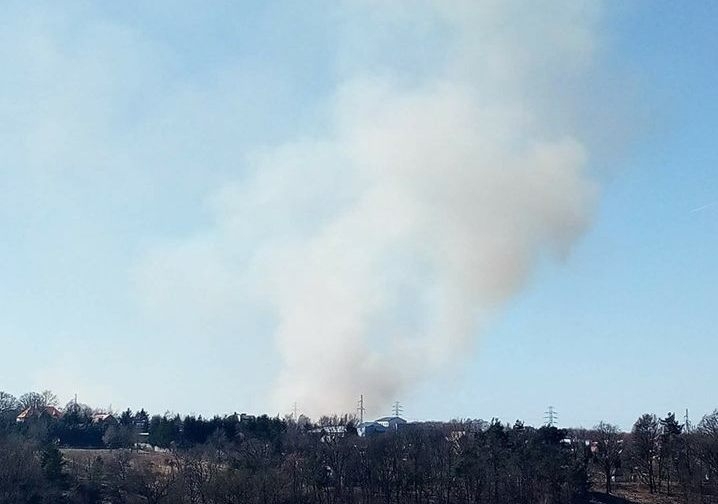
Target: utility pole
column 551, row 416
column 397, row 408
column 360, row 408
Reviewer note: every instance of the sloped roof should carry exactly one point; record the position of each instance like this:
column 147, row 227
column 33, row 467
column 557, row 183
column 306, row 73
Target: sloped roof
column 391, row 419
column 101, row 417
column 32, row 411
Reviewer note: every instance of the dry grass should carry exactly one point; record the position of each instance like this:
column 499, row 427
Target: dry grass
column 85, row 455
column 633, row 493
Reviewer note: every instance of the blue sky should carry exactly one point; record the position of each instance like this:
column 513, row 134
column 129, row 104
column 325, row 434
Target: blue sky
column 130, row 137
column 628, row 323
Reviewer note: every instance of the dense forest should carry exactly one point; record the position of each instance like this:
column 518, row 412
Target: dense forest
column 78, row 455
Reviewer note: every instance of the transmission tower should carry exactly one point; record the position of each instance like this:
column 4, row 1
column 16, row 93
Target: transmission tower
column 360, row 408
column 551, row 416
column 295, row 410
column 686, row 422
column 397, row 409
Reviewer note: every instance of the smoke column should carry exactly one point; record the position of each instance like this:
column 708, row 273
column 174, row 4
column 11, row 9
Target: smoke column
column 382, row 246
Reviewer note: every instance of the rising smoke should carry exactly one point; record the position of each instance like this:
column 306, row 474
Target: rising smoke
column 422, row 210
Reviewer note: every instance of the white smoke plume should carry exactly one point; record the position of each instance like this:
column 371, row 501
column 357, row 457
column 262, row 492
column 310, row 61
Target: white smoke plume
column 381, row 247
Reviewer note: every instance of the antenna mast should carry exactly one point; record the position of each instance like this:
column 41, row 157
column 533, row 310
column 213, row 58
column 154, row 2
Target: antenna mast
column 360, row 408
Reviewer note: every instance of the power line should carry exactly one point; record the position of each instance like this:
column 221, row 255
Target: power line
column 551, row 416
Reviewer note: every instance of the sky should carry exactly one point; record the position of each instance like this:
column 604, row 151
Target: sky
column 479, row 209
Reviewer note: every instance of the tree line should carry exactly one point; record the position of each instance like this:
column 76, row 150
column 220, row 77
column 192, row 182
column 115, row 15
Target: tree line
column 662, row 454
column 245, row 459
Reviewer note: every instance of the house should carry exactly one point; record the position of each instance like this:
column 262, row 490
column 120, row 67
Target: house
column 330, row 432
column 380, row 425
column 104, row 418
column 391, row 423
column 369, row 428
column 141, row 421
column 37, row 412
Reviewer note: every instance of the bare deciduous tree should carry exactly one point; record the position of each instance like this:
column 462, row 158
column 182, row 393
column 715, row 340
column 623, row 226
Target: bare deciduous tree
column 644, row 444
column 608, row 452
column 7, row 402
